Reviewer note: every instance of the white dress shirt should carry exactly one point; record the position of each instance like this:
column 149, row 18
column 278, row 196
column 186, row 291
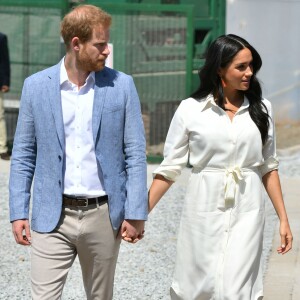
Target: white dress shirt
column 83, row 177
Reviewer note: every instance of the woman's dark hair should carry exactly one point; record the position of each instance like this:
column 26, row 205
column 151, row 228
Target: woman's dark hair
column 220, row 53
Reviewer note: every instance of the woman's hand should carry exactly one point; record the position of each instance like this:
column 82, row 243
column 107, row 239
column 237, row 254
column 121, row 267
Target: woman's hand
column 272, row 185
column 286, row 238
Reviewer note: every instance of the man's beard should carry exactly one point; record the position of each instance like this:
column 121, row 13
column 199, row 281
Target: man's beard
column 87, row 64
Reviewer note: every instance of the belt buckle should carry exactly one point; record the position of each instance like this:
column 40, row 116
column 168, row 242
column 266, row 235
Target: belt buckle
column 86, row 200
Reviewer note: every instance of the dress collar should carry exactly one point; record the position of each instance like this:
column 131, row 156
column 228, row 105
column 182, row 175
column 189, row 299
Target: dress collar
column 209, row 101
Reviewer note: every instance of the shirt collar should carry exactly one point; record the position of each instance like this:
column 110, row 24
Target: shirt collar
column 64, row 75
column 63, row 72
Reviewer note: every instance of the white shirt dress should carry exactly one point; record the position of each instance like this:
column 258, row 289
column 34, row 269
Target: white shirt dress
column 219, row 245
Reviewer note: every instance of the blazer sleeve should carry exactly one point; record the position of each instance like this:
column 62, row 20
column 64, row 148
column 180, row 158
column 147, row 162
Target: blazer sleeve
column 136, row 205
column 4, row 62
column 23, row 159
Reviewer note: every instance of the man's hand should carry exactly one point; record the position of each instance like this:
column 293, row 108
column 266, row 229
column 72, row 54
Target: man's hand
column 4, row 88
column 132, row 230
column 19, row 227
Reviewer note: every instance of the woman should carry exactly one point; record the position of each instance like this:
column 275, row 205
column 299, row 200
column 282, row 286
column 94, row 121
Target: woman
column 225, row 131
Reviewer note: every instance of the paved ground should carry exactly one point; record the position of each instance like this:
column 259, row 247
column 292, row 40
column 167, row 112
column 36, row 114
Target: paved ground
column 287, row 134
column 282, row 281
column 282, row 278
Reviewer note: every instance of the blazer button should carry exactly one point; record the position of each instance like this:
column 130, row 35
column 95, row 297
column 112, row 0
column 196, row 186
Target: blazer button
column 59, row 182
column 59, row 157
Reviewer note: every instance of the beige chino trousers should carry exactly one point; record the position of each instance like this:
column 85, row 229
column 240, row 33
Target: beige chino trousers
column 86, row 232
column 3, row 134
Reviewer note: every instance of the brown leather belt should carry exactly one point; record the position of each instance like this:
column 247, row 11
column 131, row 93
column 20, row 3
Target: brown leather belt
column 83, row 201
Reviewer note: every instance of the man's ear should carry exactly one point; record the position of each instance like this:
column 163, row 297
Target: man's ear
column 75, row 43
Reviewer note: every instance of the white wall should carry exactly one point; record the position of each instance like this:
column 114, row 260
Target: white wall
column 273, row 28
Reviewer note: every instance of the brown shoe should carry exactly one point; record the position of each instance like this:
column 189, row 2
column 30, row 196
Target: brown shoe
column 5, row 156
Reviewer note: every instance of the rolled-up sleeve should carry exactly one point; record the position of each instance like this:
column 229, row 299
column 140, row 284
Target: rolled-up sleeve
column 176, row 150
column 269, row 149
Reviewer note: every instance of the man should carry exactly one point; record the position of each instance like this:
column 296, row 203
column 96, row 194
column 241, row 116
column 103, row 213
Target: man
column 80, row 134
column 4, row 88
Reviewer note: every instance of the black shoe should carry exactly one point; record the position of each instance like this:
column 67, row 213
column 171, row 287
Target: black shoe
column 5, row 156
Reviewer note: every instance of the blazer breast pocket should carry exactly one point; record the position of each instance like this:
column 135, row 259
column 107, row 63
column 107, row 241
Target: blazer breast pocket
column 112, row 108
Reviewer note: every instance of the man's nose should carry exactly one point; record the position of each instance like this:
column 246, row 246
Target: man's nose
column 106, row 50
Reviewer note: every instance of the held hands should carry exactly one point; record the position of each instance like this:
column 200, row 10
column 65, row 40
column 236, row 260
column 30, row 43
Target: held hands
column 286, row 238
column 19, row 227
column 132, row 230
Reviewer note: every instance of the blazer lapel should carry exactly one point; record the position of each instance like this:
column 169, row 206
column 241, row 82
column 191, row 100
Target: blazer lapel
column 101, row 82
column 55, row 103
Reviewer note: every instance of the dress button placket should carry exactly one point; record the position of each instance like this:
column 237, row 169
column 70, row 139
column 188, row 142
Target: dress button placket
column 221, row 262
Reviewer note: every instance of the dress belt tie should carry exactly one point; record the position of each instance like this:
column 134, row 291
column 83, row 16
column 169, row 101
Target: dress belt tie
column 232, row 177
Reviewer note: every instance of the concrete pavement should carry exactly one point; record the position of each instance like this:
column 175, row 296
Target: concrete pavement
column 4, row 166
column 282, row 278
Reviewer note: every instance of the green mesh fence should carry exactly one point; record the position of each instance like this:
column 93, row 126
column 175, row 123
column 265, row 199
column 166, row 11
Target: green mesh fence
column 162, row 47
column 160, row 43
column 33, row 40
column 158, row 63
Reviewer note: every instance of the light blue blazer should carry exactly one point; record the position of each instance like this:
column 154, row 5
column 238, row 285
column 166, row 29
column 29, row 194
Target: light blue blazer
column 39, row 147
